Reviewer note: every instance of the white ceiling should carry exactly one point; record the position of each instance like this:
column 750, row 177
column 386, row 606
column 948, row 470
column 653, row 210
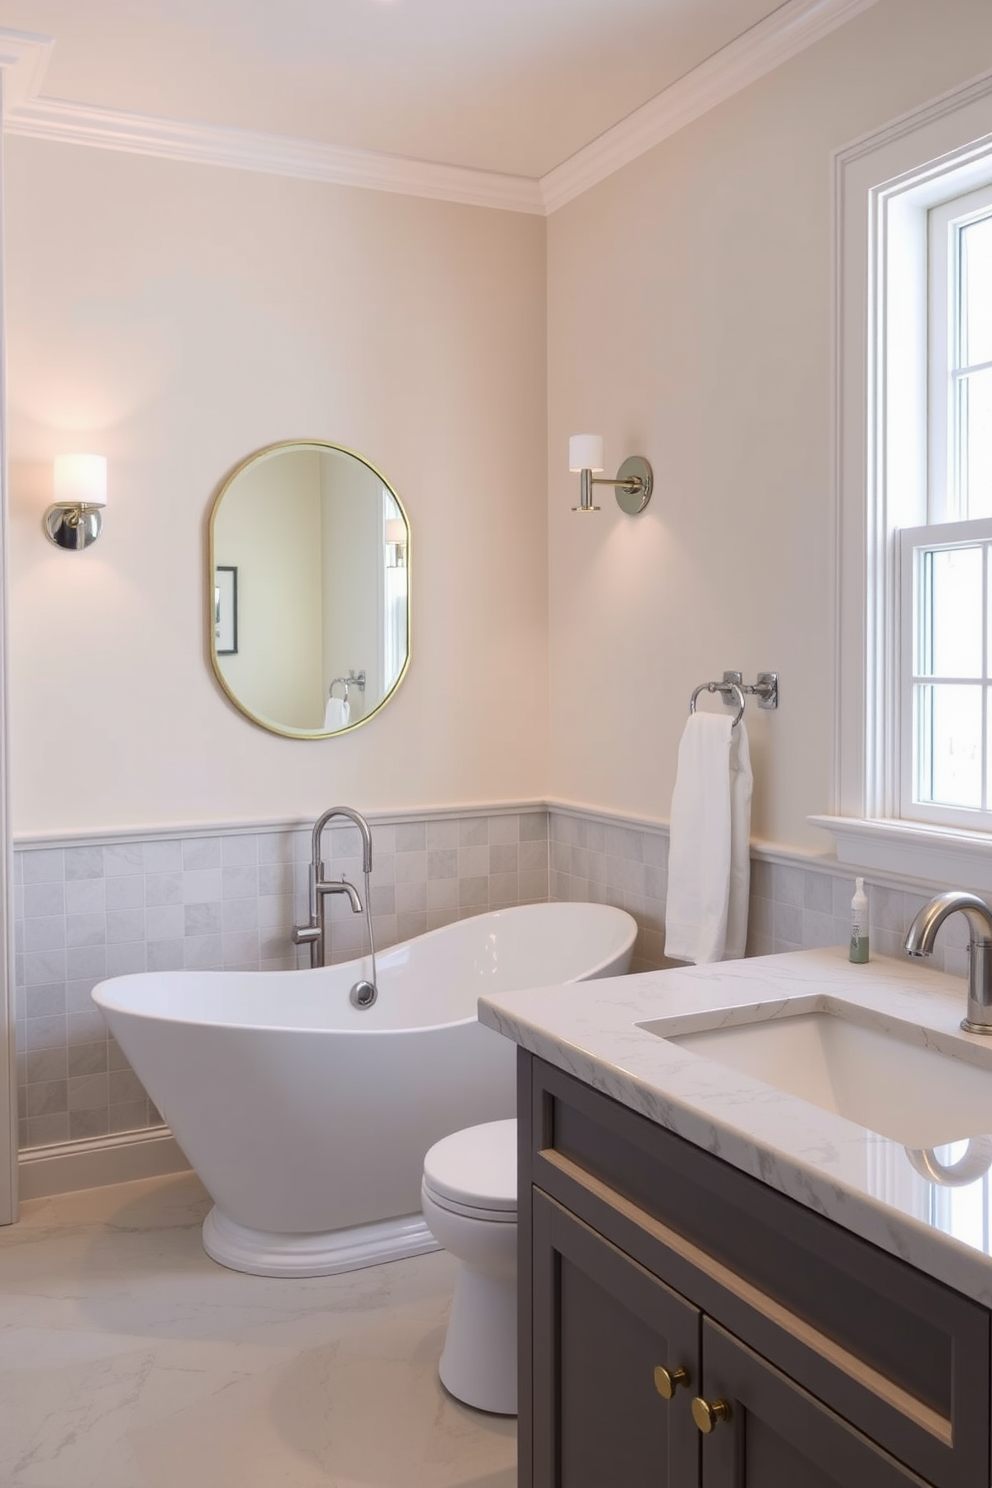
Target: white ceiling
column 512, row 86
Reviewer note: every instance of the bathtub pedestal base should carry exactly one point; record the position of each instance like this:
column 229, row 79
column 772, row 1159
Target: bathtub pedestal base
column 266, row 1253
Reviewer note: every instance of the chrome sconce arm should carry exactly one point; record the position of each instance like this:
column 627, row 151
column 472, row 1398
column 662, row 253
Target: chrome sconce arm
column 634, row 480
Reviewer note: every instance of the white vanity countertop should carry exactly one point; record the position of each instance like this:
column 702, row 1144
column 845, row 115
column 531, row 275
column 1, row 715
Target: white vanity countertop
column 846, row 1172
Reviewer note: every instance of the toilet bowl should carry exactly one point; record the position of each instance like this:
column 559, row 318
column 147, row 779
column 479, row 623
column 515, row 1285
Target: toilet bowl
column 469, row 1198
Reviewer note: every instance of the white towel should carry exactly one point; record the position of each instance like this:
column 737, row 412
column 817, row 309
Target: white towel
column 337, row 713
column 709, row 865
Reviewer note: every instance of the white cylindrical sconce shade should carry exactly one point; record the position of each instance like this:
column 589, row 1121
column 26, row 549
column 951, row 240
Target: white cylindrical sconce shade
column 81, row 480
column 585, row 452
column 395, row 530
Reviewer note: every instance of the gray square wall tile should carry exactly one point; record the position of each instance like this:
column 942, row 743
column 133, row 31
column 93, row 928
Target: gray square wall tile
column 44, row 899
column 239, row 851
column 411, row 837
column 44, row 865
column 442, row 834
column 163, row 857
column 201, row 852
column 125, row 860
column 86, row 896
column 83, row 862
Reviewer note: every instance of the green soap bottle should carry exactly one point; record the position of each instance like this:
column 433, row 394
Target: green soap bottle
column 859, row 924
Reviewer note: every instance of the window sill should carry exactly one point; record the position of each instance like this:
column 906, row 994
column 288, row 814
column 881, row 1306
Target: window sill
column 934, row 855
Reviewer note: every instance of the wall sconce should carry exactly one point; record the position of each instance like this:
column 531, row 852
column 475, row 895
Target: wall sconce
column 80, row 486
column 634, row 482
column 396, row 542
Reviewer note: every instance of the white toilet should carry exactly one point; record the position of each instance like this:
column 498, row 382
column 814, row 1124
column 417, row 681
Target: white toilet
column 469, row 1197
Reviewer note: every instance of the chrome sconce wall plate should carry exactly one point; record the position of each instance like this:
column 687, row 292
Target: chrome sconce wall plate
column 75, row 518
column 396, row 542
column 634, row 480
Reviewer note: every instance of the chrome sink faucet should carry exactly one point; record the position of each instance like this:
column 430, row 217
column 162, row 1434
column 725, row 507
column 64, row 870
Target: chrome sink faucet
column 923, row 932
column 312, row 934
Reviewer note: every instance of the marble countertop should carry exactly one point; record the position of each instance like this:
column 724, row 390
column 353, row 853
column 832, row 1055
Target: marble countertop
column 862, row 1180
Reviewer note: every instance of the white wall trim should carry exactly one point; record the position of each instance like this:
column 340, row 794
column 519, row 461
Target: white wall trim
column 912, row 851
column 787, row 31
column 24, row 60
column 112, row 836
column 270, row 154
column 895, row 869
column 68, row 1166
column 782, row 35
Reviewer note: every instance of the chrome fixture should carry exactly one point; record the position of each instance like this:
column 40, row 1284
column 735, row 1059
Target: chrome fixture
column 396, row 538
column 923, row 932
column 312, row 934
column 363, row 994
column 634, row 481
column 353, row 679
column 74, row 519
column 765, row 690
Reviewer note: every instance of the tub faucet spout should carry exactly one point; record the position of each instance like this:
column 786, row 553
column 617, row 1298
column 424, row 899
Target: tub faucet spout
column 312, row 934
column 920, row 942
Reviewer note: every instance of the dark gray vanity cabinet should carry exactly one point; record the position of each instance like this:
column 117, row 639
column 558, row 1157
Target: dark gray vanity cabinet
column 684, row 1326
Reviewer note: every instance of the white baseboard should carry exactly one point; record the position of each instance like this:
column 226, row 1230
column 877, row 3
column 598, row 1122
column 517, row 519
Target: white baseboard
column 67, row 1166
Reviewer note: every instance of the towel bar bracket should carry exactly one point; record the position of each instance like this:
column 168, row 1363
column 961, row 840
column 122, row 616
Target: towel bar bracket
column 765, row 689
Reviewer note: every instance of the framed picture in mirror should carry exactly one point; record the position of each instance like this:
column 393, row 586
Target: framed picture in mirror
column 226, row 610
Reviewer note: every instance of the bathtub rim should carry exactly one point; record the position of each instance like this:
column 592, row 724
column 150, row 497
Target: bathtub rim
column 100, row 997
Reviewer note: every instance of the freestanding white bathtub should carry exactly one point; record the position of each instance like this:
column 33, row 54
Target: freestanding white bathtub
column 306, row 1118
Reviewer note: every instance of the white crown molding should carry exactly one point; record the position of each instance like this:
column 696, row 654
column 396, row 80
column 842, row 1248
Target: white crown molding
column 24, row 58
column 782, row 35
column 242, row 149
column 23, row 61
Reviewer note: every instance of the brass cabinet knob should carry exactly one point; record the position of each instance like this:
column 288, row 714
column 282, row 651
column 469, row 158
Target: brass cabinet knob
column 706, row 1416
column 667, row 1381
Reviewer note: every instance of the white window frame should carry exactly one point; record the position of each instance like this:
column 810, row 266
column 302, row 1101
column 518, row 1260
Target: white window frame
column 884, row 186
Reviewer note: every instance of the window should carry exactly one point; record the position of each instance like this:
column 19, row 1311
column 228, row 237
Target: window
column 945, row 656
column 913, row 460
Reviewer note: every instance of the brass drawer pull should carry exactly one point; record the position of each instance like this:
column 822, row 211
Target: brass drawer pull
column 667, row 1381
column 707, row 1417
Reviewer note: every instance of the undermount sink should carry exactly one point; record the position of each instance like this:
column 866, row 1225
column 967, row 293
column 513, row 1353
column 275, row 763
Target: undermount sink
column 914, row 1094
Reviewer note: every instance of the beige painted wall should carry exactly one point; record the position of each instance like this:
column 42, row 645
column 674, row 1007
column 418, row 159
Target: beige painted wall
column 690, row 320
column 177, row 317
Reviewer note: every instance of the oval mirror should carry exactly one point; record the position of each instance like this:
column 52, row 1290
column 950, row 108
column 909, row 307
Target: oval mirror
column 309, row 589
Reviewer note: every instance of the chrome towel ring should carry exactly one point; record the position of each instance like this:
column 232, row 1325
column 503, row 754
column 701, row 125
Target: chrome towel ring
column 722, row 687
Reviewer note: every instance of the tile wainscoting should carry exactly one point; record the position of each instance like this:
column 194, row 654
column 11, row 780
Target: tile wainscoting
column 228, row 898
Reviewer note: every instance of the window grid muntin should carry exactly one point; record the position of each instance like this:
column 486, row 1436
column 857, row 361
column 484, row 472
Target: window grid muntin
column 925, row 680
column 950, row 379
column 917, row 545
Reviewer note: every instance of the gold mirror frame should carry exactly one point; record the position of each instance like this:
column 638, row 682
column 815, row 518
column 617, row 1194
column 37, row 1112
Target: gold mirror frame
column 267, row 452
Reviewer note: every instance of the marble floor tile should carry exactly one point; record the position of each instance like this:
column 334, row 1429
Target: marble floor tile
column 129, row 1359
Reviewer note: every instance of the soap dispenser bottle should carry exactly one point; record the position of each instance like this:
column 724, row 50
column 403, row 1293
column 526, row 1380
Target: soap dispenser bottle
column 859, row 924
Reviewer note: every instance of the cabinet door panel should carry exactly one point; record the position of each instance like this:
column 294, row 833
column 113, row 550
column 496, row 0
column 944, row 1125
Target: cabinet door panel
column 778, row 1436
column 602, row 1325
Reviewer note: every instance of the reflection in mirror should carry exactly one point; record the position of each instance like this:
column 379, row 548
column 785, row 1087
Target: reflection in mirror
column 309, row 594
column 954, row 1165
